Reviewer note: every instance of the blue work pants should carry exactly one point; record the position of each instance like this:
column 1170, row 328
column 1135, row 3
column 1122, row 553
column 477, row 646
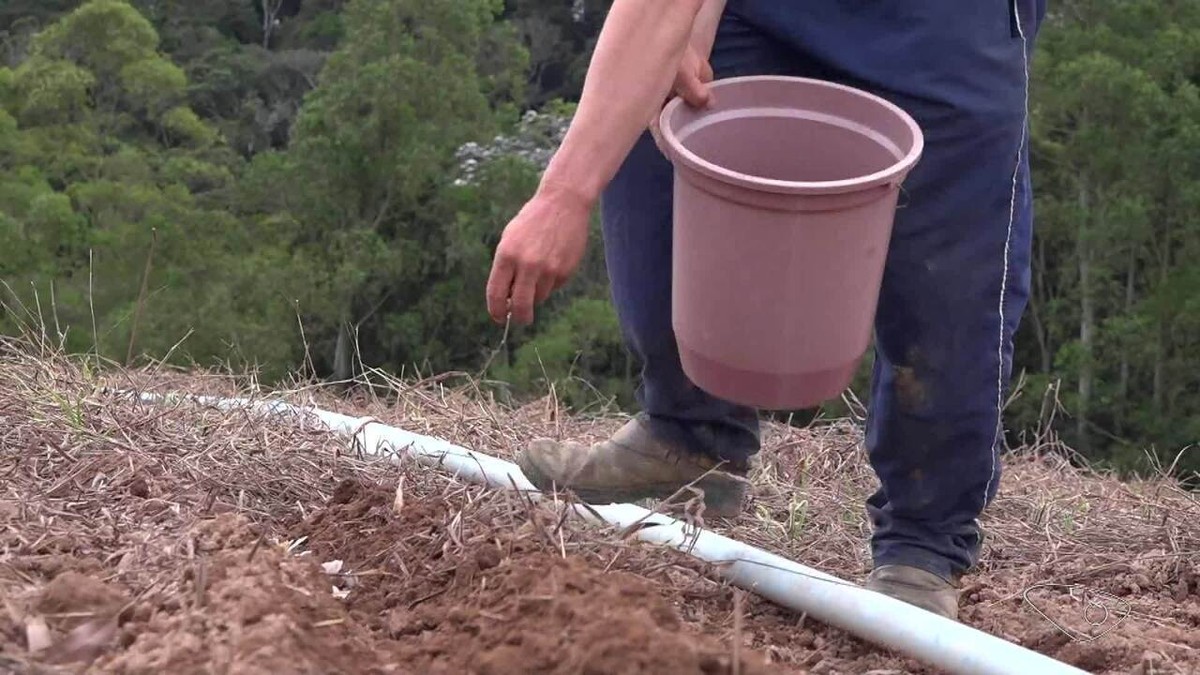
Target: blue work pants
column 957, row 277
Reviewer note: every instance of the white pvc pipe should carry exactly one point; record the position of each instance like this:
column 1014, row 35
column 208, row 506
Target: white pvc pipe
column 885, row 621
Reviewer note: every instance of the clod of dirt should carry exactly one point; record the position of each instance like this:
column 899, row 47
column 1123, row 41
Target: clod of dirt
column 72, row 618
column 542, row 613
column 75, row 593
column 138, row 487
column 498, row 603
column 270, row 613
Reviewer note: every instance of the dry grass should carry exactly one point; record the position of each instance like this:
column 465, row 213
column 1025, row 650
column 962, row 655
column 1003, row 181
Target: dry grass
column 810, row 483
column 116, row 514
column 94, row 482
column 1053, row 525
column 92, row 475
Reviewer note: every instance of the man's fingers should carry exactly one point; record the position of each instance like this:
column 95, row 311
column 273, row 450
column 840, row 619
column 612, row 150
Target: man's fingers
column 498, row 287
column 694, row 92
column 545, row 286
column 524, row 290
column 706, row 71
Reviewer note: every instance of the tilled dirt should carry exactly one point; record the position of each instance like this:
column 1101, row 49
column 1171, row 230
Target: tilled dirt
column 457, row 599
column 401, row 596
column 184, row 539
column 1100, row 573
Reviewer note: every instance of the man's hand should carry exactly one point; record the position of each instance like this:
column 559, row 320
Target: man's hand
column 635, row 61
column 691, row 84
column 539, row 251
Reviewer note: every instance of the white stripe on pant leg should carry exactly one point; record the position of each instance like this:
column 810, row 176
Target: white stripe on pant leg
column 1012, row 211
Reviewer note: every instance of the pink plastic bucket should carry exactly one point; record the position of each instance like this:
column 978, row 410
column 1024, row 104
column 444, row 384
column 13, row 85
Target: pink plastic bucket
column 785, row 194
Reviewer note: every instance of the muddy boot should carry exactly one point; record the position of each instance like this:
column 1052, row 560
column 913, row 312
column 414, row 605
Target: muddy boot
column 916, row 587
column 630, row 466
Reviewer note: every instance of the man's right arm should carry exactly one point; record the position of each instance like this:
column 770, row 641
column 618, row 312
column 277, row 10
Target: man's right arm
column 704, row 31
column 631, row 72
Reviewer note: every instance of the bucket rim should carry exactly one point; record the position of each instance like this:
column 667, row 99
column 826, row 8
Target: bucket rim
column 896, row 170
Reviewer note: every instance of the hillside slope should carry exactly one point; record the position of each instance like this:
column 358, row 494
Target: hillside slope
column 181, row 538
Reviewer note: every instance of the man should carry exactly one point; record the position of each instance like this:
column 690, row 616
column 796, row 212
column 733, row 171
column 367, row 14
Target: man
column 955, row 284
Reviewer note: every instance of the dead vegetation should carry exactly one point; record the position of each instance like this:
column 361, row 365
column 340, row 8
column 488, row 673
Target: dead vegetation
column 182, row 538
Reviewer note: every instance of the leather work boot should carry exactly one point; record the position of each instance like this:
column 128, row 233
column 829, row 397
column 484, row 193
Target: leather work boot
column 630, row 466
column 916, row 587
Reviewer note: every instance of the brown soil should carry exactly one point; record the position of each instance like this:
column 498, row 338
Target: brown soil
column 141, row 539
column 180, row 538
column 503, row 602
column 424, row 591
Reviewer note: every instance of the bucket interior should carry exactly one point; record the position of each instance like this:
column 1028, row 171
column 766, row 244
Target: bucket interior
column 790, row 147
column 792, row 130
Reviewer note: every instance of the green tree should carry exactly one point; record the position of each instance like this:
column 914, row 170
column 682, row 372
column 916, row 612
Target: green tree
column 1117, row 158
column 110, row 178
column 373, row 153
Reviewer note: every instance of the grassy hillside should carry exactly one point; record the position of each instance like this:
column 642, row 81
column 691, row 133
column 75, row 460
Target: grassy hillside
column 174, row 537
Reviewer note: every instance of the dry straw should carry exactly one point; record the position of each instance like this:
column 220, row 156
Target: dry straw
column 88, row 473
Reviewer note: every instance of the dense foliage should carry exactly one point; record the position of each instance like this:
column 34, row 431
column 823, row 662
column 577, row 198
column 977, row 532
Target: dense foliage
column 318, row 185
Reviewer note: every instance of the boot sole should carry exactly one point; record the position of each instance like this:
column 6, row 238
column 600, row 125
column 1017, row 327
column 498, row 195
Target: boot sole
column 722, row 493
